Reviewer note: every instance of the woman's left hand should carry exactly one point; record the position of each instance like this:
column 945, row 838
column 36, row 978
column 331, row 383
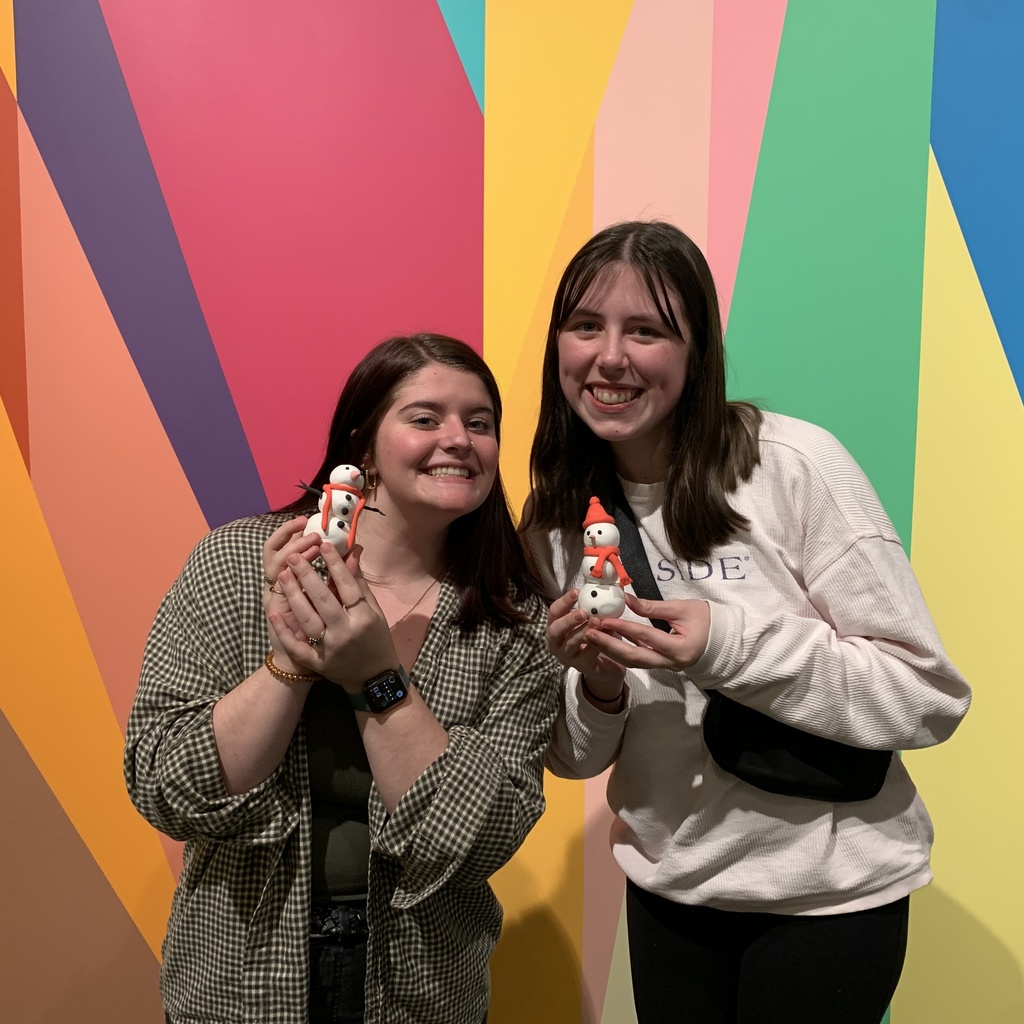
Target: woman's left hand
column 353, row 641
column 650, row 647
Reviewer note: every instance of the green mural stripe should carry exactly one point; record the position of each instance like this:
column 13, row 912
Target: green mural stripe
column 826, row 315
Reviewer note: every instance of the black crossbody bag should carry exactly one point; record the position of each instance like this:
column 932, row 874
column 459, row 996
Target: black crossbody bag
column 758, row 749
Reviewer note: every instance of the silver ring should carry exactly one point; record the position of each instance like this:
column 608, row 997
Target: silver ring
column 316, row 641
column 349, row 607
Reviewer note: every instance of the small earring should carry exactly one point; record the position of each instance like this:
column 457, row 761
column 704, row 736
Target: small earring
column 371, row 480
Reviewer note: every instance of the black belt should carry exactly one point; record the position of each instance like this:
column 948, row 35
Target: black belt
column 344, row 923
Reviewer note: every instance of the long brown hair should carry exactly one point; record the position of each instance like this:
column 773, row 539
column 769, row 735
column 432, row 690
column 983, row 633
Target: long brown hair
column 714, row 442
column 483, row 555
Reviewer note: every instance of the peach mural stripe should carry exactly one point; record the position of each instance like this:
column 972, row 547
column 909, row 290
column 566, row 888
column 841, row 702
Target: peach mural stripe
column 746, row 45
column 119, row 509
column 52, row 695
column 547, row 66
column 652, row 140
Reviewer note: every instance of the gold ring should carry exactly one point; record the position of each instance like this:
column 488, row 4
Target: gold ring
column 280, row 593
column 316, row 641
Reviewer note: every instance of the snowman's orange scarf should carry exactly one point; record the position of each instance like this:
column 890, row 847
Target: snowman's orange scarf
column 325, row 512
column 607, row 554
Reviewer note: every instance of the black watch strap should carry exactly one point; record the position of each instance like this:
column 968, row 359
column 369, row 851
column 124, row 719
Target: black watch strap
column 382, row 692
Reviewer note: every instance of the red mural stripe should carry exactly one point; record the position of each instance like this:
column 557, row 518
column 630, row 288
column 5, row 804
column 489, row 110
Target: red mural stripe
column 64, row 913
column 323, row 167
column 13, row 388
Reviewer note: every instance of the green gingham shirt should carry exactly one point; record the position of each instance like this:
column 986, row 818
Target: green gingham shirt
column 236, row 947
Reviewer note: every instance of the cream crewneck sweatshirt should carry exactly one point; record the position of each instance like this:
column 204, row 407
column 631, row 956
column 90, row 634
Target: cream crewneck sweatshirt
column 816, row 620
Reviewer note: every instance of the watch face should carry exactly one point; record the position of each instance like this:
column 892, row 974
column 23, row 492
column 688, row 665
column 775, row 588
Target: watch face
column 391, row 687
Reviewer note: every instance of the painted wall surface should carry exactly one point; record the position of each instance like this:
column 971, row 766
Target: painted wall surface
column 209, row 212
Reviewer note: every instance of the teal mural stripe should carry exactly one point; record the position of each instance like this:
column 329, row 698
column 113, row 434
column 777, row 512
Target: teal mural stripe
column 826, row 316
column 465, row 20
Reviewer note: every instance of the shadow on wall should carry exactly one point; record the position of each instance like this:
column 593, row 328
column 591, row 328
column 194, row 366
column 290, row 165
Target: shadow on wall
column 957, row 971
column 535, row 971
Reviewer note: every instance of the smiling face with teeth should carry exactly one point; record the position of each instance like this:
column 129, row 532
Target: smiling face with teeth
column 436, row 450
column 622, row 369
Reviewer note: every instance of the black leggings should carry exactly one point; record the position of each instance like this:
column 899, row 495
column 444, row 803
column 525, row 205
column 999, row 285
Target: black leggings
column 695, row 965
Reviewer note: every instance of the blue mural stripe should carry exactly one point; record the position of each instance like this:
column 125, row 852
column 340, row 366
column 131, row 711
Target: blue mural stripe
column 978, row 138
column 465, row 20
column 76, row 103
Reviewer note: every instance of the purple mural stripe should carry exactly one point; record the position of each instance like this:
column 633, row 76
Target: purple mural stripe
column 76, row 104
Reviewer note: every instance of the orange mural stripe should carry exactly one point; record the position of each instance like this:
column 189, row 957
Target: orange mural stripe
column 63, row 908
column 7, row 57
column 96, row 437
column 53, row 696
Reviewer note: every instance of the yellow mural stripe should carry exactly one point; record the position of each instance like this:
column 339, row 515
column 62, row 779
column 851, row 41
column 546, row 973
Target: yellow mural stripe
column 543, row 903
column 970, row 419
column 521, row 398
column 7, row 51
column 54, row 698
column 547, row 66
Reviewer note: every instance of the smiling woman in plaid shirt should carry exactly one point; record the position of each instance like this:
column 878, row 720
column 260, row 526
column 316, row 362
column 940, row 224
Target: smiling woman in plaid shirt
column 337, row 831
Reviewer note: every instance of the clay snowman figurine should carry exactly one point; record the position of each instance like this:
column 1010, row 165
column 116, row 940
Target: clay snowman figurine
column 339, row 506
column 601, row 592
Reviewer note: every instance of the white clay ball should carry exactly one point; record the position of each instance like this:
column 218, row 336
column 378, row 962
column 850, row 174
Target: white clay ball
column 601, row 600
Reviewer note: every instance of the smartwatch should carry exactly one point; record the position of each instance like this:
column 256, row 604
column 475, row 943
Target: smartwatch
column 382, row 692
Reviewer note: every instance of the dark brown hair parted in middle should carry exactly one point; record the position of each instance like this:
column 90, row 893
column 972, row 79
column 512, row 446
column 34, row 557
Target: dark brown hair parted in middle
column 483, row 555
column 714, row 442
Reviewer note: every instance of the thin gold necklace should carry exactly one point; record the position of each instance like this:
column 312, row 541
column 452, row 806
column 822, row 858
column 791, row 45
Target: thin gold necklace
column 415, row 605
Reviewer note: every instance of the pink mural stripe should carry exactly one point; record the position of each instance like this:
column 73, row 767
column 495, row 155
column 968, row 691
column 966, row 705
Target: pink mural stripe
column 114, row 498
column 651, row 151
column 72, row 735
column 746, row 44
column 322, row 165
column 603, row 886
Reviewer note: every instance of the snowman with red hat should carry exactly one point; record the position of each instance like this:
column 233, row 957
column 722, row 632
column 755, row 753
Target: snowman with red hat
column 604, row 574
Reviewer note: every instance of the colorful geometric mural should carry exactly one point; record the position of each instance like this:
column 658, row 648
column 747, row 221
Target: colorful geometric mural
column 209, row 212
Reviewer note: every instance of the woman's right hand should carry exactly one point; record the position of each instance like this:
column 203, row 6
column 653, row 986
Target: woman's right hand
column 567, row 626
column 286, row 540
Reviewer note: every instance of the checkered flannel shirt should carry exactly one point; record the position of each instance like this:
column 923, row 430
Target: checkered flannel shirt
column 236, row 947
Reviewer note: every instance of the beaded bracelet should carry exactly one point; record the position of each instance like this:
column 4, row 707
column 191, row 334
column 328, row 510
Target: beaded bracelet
column 287, row 677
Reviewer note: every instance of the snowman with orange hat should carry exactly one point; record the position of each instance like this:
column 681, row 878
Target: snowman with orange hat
column 601, row 592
